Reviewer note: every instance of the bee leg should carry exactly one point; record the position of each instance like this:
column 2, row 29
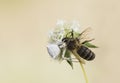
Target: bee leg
column 87, row 41
column 63, row 54
column 73, row 59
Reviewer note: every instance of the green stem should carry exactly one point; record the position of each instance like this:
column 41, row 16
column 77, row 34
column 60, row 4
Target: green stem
column 85, row 75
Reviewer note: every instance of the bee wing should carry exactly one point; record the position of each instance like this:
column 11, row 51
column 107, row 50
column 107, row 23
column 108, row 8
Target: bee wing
column 83, row 36
column 53, row 50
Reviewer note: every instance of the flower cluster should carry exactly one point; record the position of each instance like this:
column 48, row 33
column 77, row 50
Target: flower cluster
column 56, row 48
column 61, row 29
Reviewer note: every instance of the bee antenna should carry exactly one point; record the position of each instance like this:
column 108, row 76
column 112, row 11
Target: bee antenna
column 72, row 33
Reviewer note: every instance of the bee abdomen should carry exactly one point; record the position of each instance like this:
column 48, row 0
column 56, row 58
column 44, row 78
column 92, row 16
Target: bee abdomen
column 86, row 53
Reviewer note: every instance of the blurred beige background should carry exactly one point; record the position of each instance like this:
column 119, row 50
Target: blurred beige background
column 24, row 27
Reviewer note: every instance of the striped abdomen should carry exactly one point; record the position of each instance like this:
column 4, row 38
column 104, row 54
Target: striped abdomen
column 86, row 53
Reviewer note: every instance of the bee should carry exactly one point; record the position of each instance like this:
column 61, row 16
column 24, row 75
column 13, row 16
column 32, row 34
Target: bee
column 77, row 47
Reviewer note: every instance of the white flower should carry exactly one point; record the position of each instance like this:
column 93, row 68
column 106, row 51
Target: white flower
column 56, row 35
column 60, row 22
column 61, row 29
column 75, row 26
